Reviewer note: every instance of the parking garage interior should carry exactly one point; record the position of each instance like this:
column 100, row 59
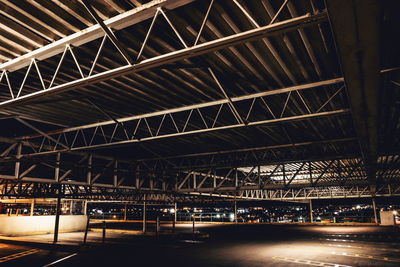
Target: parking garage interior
column 199, row 132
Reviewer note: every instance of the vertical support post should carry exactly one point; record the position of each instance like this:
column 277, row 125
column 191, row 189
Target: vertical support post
column 32, row 207
column 71, row 206
column 175, row 217
column 236, row 178
column 158, row 225
column 193, row 229
column 18, row 163
column 57, row 220
column 137, row 177
column 85, row 204
column 374, row 207
column 86, row 229
column 125, row 211
column 57, row 168
column 214, row 179
column 311, row 212
column 115, row 173
column 144, row 214
column 89, row 173
column 104, row 231
column 235, row 214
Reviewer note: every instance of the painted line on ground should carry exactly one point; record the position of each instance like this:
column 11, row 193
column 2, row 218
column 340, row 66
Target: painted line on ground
column 369, row 257
column 379, row 237
column 18, row 255
column 309, row 262
column 60, row 260
column 356, row 241
column 356, row 247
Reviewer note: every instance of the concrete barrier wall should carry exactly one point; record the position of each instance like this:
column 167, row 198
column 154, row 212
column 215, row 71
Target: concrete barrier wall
column 387, row 218
column 30, row 225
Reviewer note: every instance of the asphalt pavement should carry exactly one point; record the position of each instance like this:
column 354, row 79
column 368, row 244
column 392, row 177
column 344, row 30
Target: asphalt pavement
column 227, row 245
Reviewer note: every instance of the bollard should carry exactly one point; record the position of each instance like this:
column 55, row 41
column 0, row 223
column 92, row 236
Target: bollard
column 104, row 231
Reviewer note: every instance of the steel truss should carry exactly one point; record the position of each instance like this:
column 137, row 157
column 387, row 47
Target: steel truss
column 43, row 165
column 43, row 190
column 356, row 191
column 134, row 62
column 21, row 189
column 306, row 174
column 228, row 113
column 92, row 176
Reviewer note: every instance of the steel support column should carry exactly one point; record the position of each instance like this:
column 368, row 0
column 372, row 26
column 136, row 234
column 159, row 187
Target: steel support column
column 32, row 207
column 235, row 212
column 144, row 215
column 57, row 220
column 375, row 213
column 175, row 216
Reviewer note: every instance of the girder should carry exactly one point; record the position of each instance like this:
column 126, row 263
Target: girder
column 357, row 29
column 179, row 122
column 145, row 64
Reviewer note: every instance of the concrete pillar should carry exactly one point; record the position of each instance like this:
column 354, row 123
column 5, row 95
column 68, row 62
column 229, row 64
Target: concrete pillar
column 311, row 212
column 57, row 221
column 32, row 207
column 125, row 211
column 374, row 208
column 144, row 215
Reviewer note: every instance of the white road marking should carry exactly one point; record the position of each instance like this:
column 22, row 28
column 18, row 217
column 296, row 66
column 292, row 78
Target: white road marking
column 60, row 260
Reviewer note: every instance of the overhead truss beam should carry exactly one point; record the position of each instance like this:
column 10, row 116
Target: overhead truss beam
column 145, row 64
column 121, row 21
column 178, row 122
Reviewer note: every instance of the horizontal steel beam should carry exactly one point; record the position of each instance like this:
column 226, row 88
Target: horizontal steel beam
column 192, row 107
column 121, row 21
column 290, row 145
column 289, row 194
column 200, row 49
column 205, row 130
column 264, row 187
